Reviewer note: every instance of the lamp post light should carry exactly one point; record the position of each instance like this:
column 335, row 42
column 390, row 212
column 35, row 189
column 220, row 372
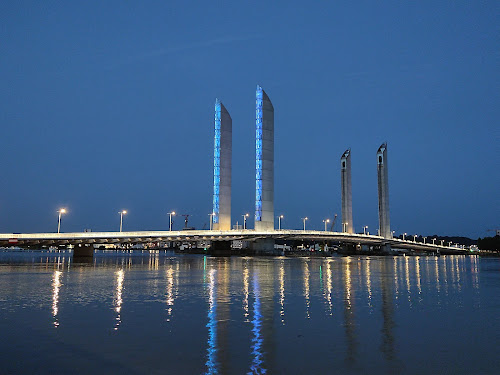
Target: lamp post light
column 61, row 211
column 404, row 234
column 449, row 243
column 442, row 242
column 170, row 220
column 424, row 238
column 326, row 221
column 304, row 220
column 279, row 221
column 393, row 233
column 122, row 212
column 365, row 228
column 415, row 237
column 245, row 220
column 433, row 241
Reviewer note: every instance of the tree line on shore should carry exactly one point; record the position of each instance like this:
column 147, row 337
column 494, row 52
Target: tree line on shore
column 489, row 243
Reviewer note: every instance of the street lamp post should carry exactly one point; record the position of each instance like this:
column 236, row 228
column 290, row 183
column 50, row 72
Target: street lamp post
column 245, row 220
column 393, row 233
column 433, row 241
column 404, row 234
column 304, row 220
column 415, row 237
column 442, row 242
column 424, row 238
column 122, row 212
column 449, row 243
column 279, row 221
column 170, row 220
column 61, row 211
column 365, row 228
column 326, row 221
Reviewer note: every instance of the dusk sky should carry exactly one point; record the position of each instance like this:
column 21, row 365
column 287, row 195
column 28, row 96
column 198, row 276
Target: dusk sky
column 108, row 105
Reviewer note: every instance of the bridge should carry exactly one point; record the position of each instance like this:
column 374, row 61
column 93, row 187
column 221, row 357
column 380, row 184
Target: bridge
column 84, row 242
column 262, row 238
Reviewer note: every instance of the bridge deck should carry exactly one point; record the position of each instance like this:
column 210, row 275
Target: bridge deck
column 55, row 239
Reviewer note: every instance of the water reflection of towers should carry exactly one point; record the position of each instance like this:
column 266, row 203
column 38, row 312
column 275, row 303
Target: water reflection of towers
column 349, row 286
column 218, row 314
column 257, row 308
column 263, row 296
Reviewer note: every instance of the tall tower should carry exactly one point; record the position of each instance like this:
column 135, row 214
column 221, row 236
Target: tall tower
column 264, row 162
column 345, row 181
column 383, row 192
column 222, row 168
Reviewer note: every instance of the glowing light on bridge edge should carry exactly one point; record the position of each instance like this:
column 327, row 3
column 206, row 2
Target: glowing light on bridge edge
column 258, row 155
column 217, row 135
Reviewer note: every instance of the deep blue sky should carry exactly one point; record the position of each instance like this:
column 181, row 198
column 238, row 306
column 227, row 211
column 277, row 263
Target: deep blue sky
column 109, row 105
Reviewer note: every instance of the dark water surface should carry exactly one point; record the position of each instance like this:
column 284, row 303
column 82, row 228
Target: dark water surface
column 161, row 313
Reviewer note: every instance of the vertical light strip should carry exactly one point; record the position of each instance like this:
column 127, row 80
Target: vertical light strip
column 217, row 160
column 258, row 155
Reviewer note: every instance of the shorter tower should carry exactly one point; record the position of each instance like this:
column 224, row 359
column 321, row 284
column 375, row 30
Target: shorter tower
column 383, row 192
column 221, row 214
column 345, row 181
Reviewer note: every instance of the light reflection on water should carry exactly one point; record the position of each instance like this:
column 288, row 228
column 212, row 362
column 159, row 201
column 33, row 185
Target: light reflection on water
column 282, row 290
column 56, row 284
column 118, row 299
column 257, row 361
column 306, row 287
column 344, row 314
column 170, row 291
column 212, row 325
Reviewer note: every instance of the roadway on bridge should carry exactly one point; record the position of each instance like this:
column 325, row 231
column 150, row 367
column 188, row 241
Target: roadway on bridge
column 136, row 237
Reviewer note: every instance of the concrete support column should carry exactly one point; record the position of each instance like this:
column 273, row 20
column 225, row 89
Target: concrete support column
column 221, row 248
column 264, row 246
column 83, row 250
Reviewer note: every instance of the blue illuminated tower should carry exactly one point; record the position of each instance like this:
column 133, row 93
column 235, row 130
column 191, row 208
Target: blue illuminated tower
column 222, row 168
column 264, row 162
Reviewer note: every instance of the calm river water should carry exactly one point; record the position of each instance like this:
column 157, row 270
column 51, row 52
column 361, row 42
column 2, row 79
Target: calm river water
column 162, row 313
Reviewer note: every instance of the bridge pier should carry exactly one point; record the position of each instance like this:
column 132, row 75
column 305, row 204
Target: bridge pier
column 83, row 251
column 264, row 246
column 220, row 248
column 386, row 248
